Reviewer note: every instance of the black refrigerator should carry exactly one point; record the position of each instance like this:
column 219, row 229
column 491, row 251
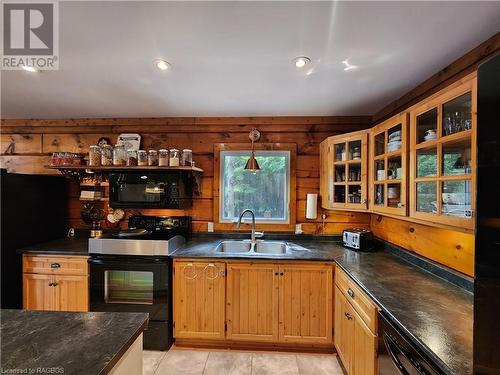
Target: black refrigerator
column 34, row 209
column 487, row 249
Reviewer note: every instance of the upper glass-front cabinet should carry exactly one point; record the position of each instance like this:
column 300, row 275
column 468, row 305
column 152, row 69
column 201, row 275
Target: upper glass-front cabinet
column 442, row 153
column 344, row 171
column 388, row 168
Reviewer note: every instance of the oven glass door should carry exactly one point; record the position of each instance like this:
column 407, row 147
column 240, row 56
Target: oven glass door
column 130, row 284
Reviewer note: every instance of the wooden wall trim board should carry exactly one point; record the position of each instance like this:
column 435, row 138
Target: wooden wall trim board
column 27, row 143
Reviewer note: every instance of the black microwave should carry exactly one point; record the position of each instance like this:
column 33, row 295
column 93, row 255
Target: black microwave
column 145, row 189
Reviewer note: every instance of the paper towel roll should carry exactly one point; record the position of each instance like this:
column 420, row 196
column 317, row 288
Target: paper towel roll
column 311, row 206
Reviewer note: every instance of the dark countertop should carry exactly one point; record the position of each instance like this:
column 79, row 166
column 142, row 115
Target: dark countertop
column 437, row 314
column 80, row 343
column 63, row 246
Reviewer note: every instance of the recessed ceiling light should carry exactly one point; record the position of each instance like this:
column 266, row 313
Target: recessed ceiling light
column 349, row 66
column 301, row 61
column 30, row 69
column 162, row 64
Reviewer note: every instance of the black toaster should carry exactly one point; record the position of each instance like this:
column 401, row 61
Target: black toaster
column 358, row 239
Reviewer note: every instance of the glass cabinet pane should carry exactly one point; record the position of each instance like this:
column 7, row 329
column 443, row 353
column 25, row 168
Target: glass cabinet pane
column 379, row 170
column 426, row 162
column 354, row 172
column 457, row 114
column 339, row 194
column 379, row 194
column 457, row 158
column 394, row 168
column 426, row 197
column 339, row 173
column 394, row 139
column 355, row 150
column 427, row 126
column 456, row 198
column 380, row 144
column 354, row 195
column 339, row 152
column 394, row 195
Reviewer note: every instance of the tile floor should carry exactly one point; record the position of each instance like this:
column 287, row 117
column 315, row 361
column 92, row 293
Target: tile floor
column 198, row 362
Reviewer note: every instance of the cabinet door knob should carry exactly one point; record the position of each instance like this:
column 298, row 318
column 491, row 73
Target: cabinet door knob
column 51, row 284
column 350, row 292
column 55, row 284
column 55, row 265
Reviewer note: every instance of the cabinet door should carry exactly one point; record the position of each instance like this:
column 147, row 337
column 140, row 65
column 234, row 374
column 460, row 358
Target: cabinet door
column 38, row 292
column 364, row 357
column 252, row 301
column 305, row 308
column 344, row 328
column 72, row 293
column 199, row 300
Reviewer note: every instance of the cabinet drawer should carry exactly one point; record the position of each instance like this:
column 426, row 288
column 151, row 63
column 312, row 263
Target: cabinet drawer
column 56, row 265
column 363, row 305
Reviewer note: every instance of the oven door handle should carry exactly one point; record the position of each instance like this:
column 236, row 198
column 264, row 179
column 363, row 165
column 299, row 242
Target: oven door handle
column 391, row 347
column 107, row 261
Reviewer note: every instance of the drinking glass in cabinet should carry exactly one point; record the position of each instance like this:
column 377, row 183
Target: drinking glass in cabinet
column 427, row 126
column 379, row 170
column 457, row 158
column 355, row 150
column 457, row 114
column 340, row 173
column 340, row 152
column 394, row 168
column 456, row 198
column 426, row 197
column 379, row 194
column 394, row 139
column 379, row 144
column 354, row 172
column 339, row 193
column 354, row 195
column 426, row 162
column 394, row 195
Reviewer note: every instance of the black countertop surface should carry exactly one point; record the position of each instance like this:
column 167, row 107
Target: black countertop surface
column 63, row 246
column 77, row 343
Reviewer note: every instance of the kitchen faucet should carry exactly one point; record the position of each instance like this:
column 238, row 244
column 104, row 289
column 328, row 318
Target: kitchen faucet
column 254, row 233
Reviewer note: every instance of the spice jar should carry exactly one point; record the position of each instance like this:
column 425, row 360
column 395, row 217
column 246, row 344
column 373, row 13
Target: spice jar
column 187, row 157
column 142, row 158
column 119, row 156
column 131, row 158
column 152, row 158
column 174, row 160
column 107, row 155
column 94, row 156
column 163, row 158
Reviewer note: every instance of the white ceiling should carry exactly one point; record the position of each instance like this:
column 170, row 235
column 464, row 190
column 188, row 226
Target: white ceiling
column 234, row 58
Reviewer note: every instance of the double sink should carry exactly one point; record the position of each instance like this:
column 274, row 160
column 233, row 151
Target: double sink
column 258, row 247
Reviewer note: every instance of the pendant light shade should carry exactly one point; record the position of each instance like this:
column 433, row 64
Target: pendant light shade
column 252, row 165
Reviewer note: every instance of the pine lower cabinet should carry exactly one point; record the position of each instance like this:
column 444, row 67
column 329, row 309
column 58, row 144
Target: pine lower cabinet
column 55, row 283
column 262, row 302
column 199, row 299
column 355, row 331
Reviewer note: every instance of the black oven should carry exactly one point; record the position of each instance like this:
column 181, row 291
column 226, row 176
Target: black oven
column 135, row 284
column 150, row 189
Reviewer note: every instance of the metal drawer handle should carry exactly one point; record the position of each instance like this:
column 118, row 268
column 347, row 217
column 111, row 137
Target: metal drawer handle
column 350, row 292
column 55, row 265
column 215, row 269
column 348, row 316
column 194, row 274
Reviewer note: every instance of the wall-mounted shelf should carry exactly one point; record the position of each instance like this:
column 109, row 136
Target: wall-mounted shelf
column 124, row 168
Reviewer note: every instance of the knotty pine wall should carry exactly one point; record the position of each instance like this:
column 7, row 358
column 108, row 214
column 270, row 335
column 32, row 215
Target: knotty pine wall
column 27, row 144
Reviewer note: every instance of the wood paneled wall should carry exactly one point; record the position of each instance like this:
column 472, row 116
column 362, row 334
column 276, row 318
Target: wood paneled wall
column 27, row 144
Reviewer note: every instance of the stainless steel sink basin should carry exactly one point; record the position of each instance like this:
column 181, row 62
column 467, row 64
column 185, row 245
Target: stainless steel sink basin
column 271, row 247
column 233, row 247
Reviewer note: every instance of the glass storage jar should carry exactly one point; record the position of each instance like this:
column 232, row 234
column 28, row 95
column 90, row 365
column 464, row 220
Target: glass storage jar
column 142, row 158
column 94, row 156
column 163, row 158
column 152, row 158
column 131, row 158
column 175, row 158
column 187, row 157
column 107, row 155
column 119, row 156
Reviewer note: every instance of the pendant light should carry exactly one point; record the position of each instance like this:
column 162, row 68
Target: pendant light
column 252, row 165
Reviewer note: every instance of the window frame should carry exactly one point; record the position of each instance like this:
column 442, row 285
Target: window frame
column 269, row 225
